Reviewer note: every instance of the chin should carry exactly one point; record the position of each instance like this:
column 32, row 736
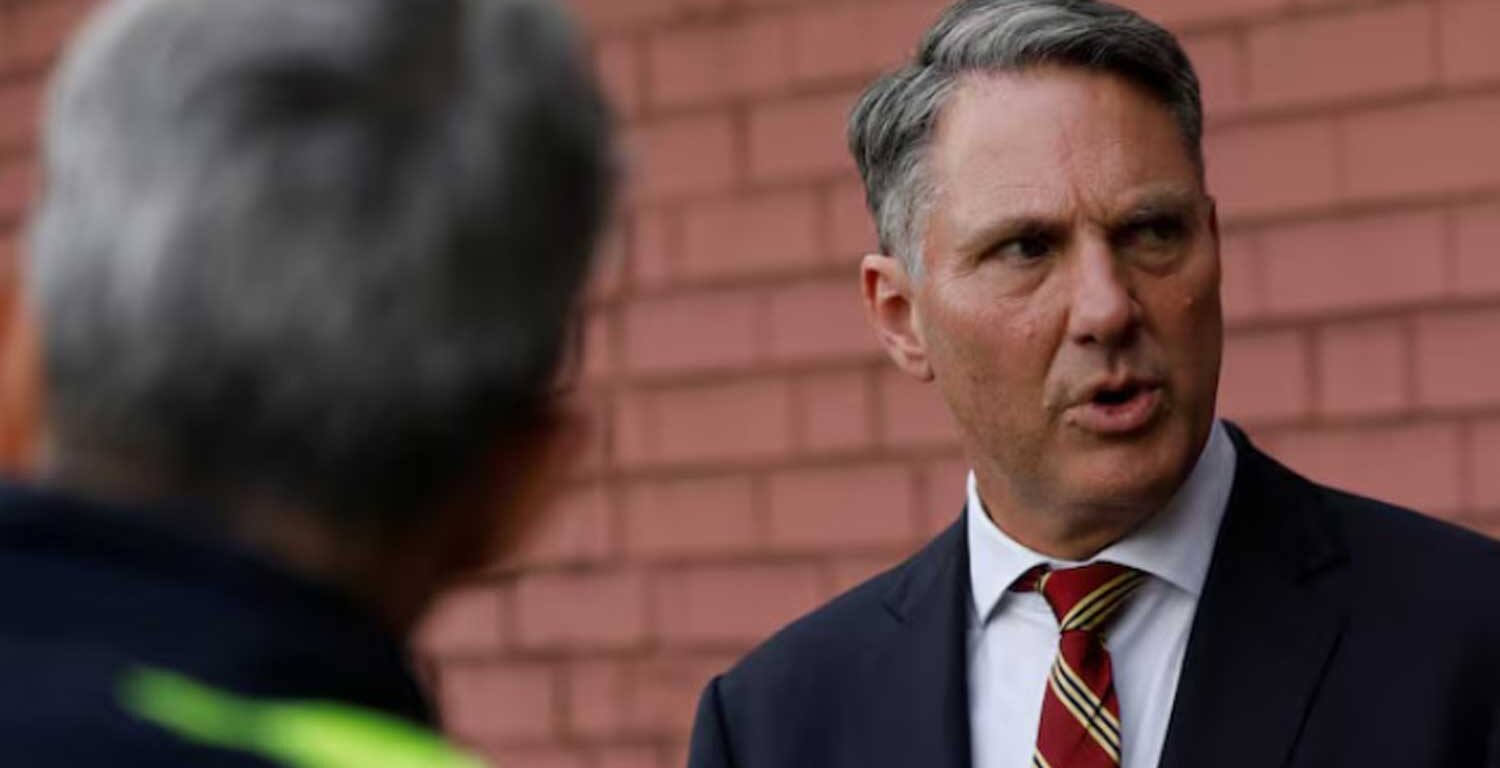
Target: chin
column 1134, row 476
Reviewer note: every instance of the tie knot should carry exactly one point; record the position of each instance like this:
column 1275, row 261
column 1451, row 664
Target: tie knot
column 1083, row 598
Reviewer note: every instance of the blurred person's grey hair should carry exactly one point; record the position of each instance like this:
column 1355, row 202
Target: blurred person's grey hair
column 322, row 251
column 892, row 124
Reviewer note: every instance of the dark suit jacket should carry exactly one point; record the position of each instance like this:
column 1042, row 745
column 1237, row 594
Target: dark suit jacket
column 1332, row 631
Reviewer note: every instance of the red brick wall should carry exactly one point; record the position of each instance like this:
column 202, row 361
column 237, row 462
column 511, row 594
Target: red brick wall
column 754, row 453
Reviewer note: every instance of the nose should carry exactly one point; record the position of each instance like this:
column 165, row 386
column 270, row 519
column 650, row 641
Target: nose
column 1104, row 310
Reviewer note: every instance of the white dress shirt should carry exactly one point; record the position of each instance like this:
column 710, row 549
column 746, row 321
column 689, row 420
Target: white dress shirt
column 1013, row 636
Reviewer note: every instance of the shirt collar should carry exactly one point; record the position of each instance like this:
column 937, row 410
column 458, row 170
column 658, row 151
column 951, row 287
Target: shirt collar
column 1175, row 545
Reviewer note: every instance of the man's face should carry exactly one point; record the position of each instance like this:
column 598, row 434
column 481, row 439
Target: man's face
column 1069, row 302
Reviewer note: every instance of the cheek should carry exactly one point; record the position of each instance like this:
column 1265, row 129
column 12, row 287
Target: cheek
column 1193, row 324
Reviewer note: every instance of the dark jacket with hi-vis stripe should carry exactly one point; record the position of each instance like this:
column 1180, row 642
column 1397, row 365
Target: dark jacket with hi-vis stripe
column 1332, row 631
column 128, row 644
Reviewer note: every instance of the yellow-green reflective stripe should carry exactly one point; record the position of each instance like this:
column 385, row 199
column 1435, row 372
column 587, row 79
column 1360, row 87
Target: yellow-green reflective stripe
column 298, row 734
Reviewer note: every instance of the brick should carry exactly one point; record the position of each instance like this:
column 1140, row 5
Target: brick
column 1417, row 465
column 756, row 414
column 850, row 572
column 1334, row 3
column 466, row 621
column 843, row 40
column 688, row 425
column 666, row 692
column 537, row 757
column 38, row 30
column 595, row 610
column 16, row 179
column 690, row 518
column 1189, row 13
column 1262, row 169
column 498, row 702
column 617, row 61
column 692, row 332
column 800, row 139
column 20, row 106
column 573, row 530
column 1456, row 137
column 913, row 412
column 1477, row 250
column 598, row 352
column 654, row 238
column 826, row 41
column 842, row 508
column 633, row 429
column 1484, row 458
column 1342, row 56
column 683, row 156
column 597, row 691
column 1343, row 264
column 820, row 321
column 607, row 272
column 752, row 235
column 712, row 63
column 592, row 457
column 1467, row 42
column 734, row 604
column 1243, row 286
column 604, row 15
column 629, row 757
column 945, row 493
column 1362, row 368
column 1456, row 365
column 1219, row 60
column 835, row 412
column 1265, row 376
column 896, row 28
column 851, row 228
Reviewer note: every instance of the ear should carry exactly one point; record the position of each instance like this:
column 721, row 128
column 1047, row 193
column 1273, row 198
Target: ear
column 890, row 305
column 20, row 386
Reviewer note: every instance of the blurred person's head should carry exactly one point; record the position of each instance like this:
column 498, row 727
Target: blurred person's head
column 304, row 271
column 1050, row 256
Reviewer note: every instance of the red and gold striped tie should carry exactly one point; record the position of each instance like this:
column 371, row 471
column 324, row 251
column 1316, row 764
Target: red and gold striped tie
column 1080, row 725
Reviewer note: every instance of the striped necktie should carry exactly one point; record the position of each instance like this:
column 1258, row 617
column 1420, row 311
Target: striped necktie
column 1080, row 725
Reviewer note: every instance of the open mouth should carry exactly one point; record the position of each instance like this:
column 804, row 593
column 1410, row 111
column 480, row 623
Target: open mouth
column 1119, row 410
column 1118, row 395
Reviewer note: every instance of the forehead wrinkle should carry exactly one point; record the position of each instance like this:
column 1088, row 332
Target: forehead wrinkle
column 1082, row 169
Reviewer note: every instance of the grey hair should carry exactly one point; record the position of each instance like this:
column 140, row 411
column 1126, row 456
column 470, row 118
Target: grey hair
column 893, row 122
column 324, row 251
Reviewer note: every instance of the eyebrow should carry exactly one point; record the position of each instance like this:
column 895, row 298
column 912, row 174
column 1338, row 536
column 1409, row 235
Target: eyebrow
column 1172, row 199
column 1162, row 201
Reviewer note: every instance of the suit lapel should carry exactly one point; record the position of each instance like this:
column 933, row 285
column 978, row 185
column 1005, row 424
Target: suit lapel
column 919, row 673
column 1268, row 621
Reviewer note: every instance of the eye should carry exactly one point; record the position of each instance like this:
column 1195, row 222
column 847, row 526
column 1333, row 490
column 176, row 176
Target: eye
column 1024, row 249
column 1154, row 242
column 1156, row 232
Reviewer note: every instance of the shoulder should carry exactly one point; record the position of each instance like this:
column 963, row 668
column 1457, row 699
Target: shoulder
column 1400, row 563
column 1387, row 538
column 835, row 642
column 1416, row 564
column 60, row 707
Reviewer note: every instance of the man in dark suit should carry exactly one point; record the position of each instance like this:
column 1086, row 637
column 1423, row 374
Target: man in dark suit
column 304, row 273
column 1132, row 582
